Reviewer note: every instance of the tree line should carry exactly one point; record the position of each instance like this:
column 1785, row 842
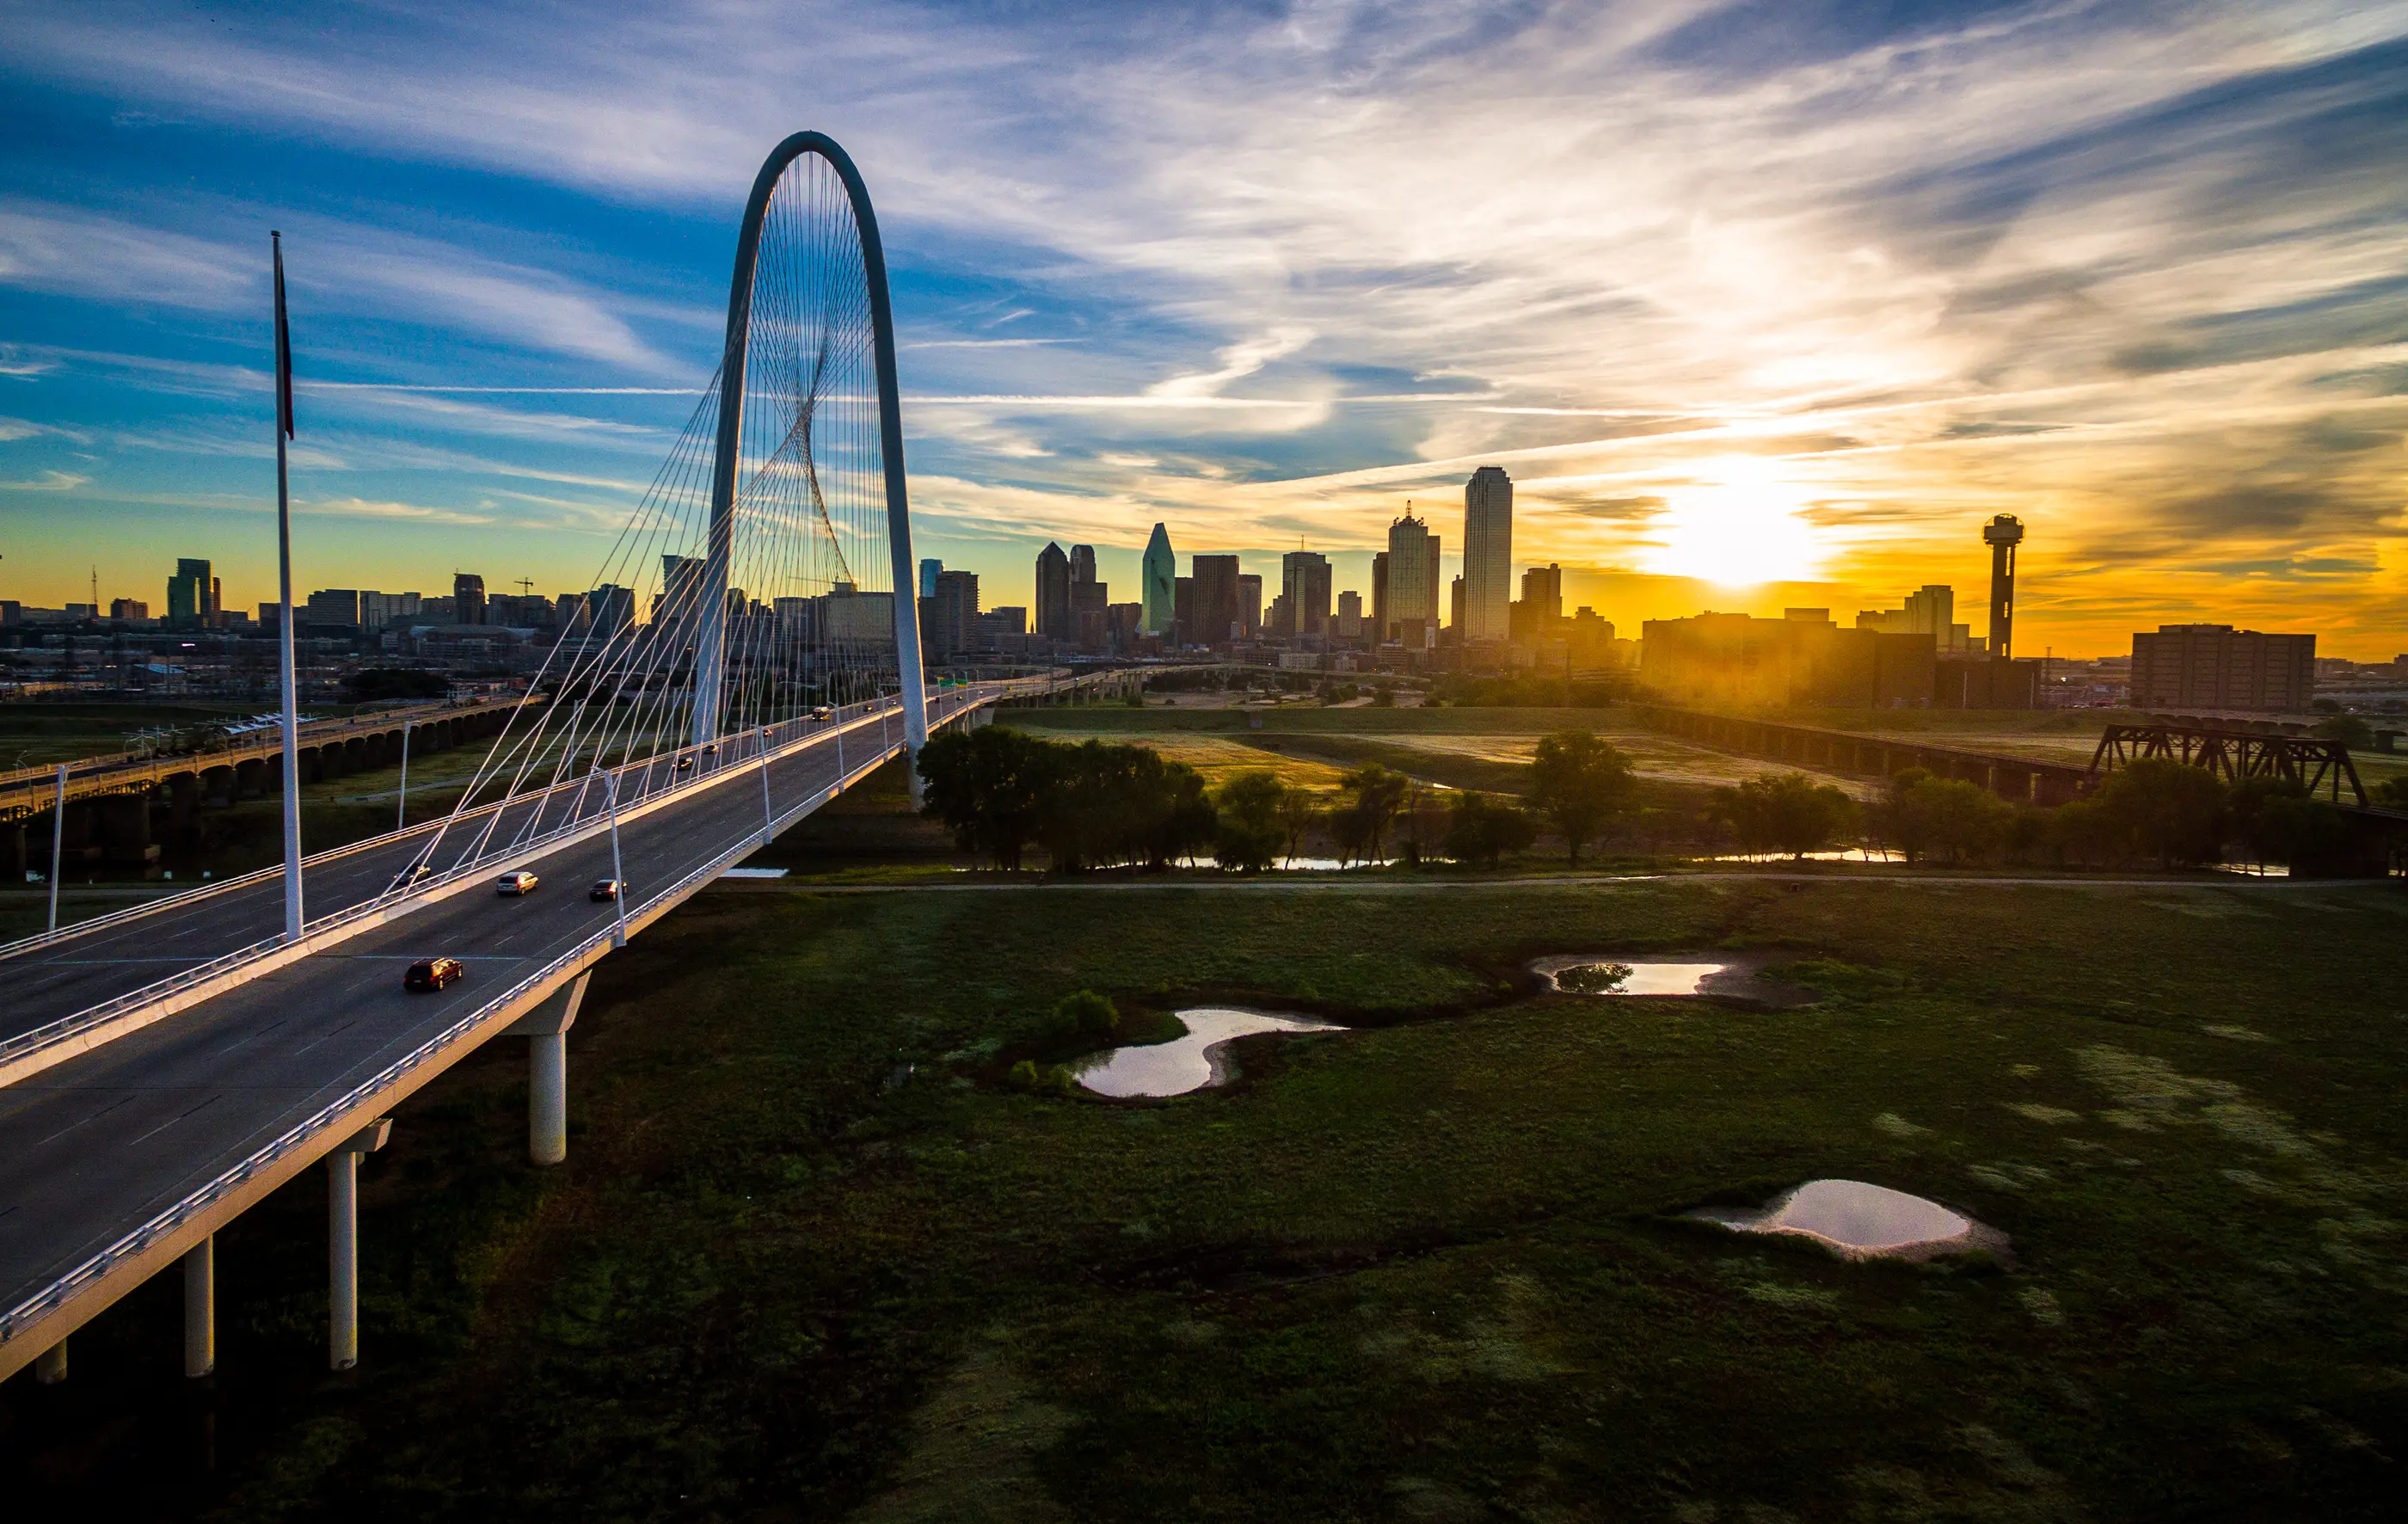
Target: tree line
column 1002, row 791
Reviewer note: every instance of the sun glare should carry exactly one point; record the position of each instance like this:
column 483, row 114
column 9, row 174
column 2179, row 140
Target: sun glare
column 1738, row 525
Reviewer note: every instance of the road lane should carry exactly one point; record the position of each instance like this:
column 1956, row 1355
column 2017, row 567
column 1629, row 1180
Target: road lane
column 77, row 971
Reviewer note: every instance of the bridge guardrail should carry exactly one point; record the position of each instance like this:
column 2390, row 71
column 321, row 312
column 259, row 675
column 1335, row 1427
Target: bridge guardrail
column 356, row 1099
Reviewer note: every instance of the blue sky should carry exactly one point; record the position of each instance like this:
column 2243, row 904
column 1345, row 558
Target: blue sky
column 1760, row 303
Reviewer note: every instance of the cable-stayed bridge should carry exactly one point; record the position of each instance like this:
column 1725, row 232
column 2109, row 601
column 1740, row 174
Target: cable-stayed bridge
column 748, row 648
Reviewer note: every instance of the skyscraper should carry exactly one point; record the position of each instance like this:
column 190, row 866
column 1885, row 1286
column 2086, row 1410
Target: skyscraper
column 1053, row 594
column 680, row 590
column 1304, row 582
column 930, row 570
column 1412, row 584
column 1487, row 554
column 1156, row 578
column 1218, row 618
column 1082, row 563
column 467, row 598
column 189, row 594
column 948, row 614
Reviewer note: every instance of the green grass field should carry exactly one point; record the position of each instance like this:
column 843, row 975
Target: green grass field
column 812, row 1259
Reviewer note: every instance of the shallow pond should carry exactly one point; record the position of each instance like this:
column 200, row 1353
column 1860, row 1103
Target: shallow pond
column 1188, row 1063
column 1861, row 1221
column 1613, row 976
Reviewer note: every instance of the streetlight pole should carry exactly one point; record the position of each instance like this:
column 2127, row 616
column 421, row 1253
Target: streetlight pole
column 58, row 842
column 284, row 611
column 768, row 816
column 401, row 808
column 618, row 875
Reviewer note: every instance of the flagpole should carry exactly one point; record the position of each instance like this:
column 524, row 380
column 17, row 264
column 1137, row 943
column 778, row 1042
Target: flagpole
column 284, row 610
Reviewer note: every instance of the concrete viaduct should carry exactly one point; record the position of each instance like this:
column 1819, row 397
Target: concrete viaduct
column 118, row 808
column 2020, row 779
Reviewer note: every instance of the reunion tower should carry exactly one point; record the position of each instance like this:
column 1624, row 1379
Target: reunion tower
column 2002, row 534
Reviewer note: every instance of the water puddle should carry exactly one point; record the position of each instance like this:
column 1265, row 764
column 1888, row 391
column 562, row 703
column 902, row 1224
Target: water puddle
column 1589, row 974
column 1188, row 1063
column 1859, row 1221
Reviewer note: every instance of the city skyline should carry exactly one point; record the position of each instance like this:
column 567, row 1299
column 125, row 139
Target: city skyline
column 1901, row 277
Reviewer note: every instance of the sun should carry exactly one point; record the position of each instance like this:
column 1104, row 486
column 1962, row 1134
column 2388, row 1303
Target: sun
column 1737, row 524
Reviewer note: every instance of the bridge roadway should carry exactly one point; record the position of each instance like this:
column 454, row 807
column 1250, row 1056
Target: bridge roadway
column 111, row 1139
column 80, row 969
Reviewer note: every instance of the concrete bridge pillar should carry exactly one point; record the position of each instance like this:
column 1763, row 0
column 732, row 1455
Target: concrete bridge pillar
column 218, row 785
column 546, row 1030
column 250, row 777
column 312, row 766
column 355, row 757
column 76, row 840
column 183, row 804
column 50, row 1365
column 125, row 829
column 343, row 1242
column 201, row 1308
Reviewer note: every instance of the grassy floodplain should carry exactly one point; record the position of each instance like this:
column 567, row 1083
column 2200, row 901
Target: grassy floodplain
column 813, row 1257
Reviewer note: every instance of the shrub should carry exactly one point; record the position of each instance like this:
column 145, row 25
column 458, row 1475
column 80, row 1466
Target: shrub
column 1087, row 1013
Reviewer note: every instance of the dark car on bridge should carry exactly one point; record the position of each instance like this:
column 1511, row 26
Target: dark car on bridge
column 433, row 972
column 410, row 877
column 604, row 890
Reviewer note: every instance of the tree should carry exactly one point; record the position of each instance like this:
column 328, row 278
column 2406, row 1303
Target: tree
column 2167, row 810
column 1582, row 783
column 1790, row 813
column 1480, row 830
column 1421, row 822
column 1950, row 816
column 2349, row 729
column 1299, row 813
column 1350, row 832
column 1378, row 793
column 1248, row 835
column 1122, row 804
column 989, row 787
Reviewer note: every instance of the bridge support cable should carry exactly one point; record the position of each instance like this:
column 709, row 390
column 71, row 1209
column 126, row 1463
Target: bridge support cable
column 763, row 584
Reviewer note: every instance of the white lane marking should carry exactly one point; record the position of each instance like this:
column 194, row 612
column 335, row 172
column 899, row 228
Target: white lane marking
column 173, row 1120
column 323, row 1036
column 85, row 1121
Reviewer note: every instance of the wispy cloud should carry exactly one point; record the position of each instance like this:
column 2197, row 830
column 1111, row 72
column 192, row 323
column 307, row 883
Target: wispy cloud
column 48, row 482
